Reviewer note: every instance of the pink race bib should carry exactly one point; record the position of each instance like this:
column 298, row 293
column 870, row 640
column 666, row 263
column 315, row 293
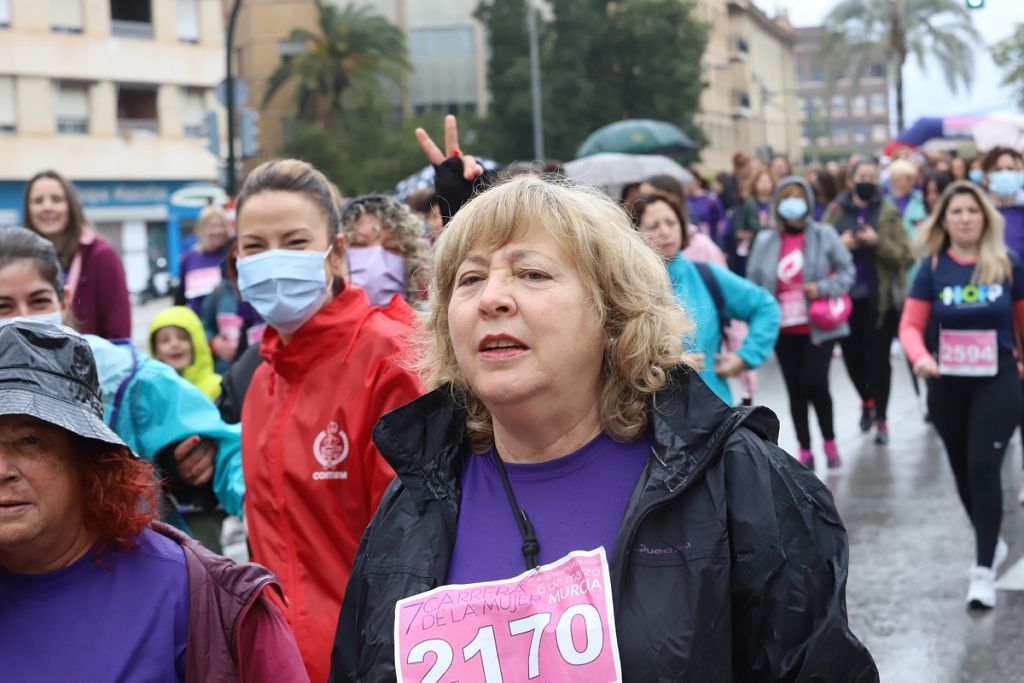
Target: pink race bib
column 968, row 353
column 554, row 623
column 201, row 281
column 255, row 334
column 230, row 326
column 793, row 306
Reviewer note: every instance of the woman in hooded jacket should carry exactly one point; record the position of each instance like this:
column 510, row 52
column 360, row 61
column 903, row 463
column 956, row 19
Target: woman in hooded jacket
column 800, row 261
column 177, row 337
column 871, row 227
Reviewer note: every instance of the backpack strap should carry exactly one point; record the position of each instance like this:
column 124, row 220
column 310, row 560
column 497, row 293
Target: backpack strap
column 122, row 388
column 711, row 284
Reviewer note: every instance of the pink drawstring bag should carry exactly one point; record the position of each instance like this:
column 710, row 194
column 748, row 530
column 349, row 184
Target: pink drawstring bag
column 828, row 313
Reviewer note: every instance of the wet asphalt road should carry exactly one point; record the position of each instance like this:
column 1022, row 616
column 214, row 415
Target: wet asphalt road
column 911, row 543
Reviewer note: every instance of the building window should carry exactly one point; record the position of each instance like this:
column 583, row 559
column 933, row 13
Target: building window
column 446, row 66
column 131, row 18
column 188, row 21
column 71, row 104
column 66, row 16
column 817, row 74
column 859, row 105
column 878, row 103
column 818, row 105
column 8, row 110
column 136, row 110
column 879, row 132
column 839, row 136
column 289, row 49
column 860, row 133
column 193, row 107
column 838, row 105
column 876, row 70
column 5, row 12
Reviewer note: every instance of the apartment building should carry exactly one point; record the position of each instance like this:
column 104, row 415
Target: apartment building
column 843, row 118
column 447, row 48
column 112, row 94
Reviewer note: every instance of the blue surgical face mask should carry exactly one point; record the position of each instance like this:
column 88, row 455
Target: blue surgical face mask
column 286, row 287
column 379, row 272
column 793, row 208
column 1005, row 184
column 976, row 176
column 54, row 318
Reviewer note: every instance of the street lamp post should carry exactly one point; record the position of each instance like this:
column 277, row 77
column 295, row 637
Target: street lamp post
column 229, row 99
column 538, row 119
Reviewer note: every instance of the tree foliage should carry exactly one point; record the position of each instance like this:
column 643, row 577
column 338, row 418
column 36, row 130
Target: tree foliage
column 859, row 31
column 1009, row 56
column 601, row 62
column 352, row 49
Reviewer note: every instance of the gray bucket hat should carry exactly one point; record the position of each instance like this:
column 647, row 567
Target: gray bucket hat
column 48, row 372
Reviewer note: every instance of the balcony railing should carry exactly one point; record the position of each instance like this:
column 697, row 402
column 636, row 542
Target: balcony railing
column 72, row 125
column 131, row 29
column 138, row 127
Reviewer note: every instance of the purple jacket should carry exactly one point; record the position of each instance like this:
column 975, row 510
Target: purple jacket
column 100, row 300
column 235, row 632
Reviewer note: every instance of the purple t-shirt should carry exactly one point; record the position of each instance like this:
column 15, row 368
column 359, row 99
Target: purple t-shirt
column 1014, row 234
column 706, row 212
column 200, row 275
column 575, row 503
column 901, row 202
column 125, row 619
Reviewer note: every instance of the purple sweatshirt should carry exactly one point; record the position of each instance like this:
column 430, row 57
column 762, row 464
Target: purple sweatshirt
column 575, row 502
column 123, row 619
column 100, row 302
column 1014, row 234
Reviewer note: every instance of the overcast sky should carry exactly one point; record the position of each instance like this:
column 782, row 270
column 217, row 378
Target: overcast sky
column 925, row 93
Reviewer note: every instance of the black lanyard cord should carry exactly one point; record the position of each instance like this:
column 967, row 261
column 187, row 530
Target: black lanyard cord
column 531, row 546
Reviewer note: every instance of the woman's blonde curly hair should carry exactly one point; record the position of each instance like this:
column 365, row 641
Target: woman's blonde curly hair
column 404, row 225
column 627, row 283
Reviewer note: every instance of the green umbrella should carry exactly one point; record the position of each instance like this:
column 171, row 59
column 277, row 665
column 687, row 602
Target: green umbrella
column 636, row 136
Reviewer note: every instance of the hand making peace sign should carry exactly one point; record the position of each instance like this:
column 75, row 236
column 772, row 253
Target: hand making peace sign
column 471, row 169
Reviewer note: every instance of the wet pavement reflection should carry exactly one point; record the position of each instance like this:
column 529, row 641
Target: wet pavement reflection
column 911, row 543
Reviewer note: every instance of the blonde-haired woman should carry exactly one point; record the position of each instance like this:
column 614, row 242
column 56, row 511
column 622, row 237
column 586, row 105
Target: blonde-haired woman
column 958, row 329
column 385, row 243
column 201, row 266
column 565, row 417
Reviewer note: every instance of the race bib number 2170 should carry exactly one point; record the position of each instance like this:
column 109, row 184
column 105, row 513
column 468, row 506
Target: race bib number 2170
column 554, row 623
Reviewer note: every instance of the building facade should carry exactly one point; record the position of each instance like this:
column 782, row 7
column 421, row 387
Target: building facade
column 842, row 118
column 447, row 49
column 750, row 102
column 113, row 95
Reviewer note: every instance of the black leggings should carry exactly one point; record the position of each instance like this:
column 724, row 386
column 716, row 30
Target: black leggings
column 805, row 371
column 866, row 354
column 975, row 418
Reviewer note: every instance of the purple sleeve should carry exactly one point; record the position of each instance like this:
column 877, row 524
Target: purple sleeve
column 115, row 309
column 267, row 651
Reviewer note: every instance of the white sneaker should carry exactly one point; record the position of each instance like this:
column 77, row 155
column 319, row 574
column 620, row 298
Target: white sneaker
column 981, row 593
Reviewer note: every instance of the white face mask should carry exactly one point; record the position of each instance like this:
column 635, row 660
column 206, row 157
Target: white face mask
column 55, row 318
column 285, row 286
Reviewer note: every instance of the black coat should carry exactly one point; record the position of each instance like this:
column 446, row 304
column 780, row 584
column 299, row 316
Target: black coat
column 752, row 590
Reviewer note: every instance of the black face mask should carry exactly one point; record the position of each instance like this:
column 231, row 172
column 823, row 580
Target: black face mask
column 865, row 190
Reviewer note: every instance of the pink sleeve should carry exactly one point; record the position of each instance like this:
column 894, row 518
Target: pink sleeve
column 916, row 313
column 267, row 651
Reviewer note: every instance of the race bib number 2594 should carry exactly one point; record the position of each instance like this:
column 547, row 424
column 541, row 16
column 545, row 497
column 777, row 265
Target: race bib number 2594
column 554, row 623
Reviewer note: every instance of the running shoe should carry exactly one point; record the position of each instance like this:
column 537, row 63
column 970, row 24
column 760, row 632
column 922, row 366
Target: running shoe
column 832, row 454
column 806, row 458
column 881, row 433
column 981, row 591
column 867, row 415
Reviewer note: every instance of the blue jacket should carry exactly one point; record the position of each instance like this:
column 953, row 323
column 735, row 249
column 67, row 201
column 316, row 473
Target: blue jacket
column 743, row 301
column 158, row 407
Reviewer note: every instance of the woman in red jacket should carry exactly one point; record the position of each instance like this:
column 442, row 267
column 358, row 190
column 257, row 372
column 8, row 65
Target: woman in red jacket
column 313, row 476
column 92, row 269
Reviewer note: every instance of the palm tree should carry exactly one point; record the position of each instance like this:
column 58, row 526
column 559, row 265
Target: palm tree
column 353, row 49
column 859, row 31
column 1009, row 56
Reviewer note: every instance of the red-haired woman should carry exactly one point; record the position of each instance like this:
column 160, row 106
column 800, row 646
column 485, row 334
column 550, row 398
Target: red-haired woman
column 84, row 565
